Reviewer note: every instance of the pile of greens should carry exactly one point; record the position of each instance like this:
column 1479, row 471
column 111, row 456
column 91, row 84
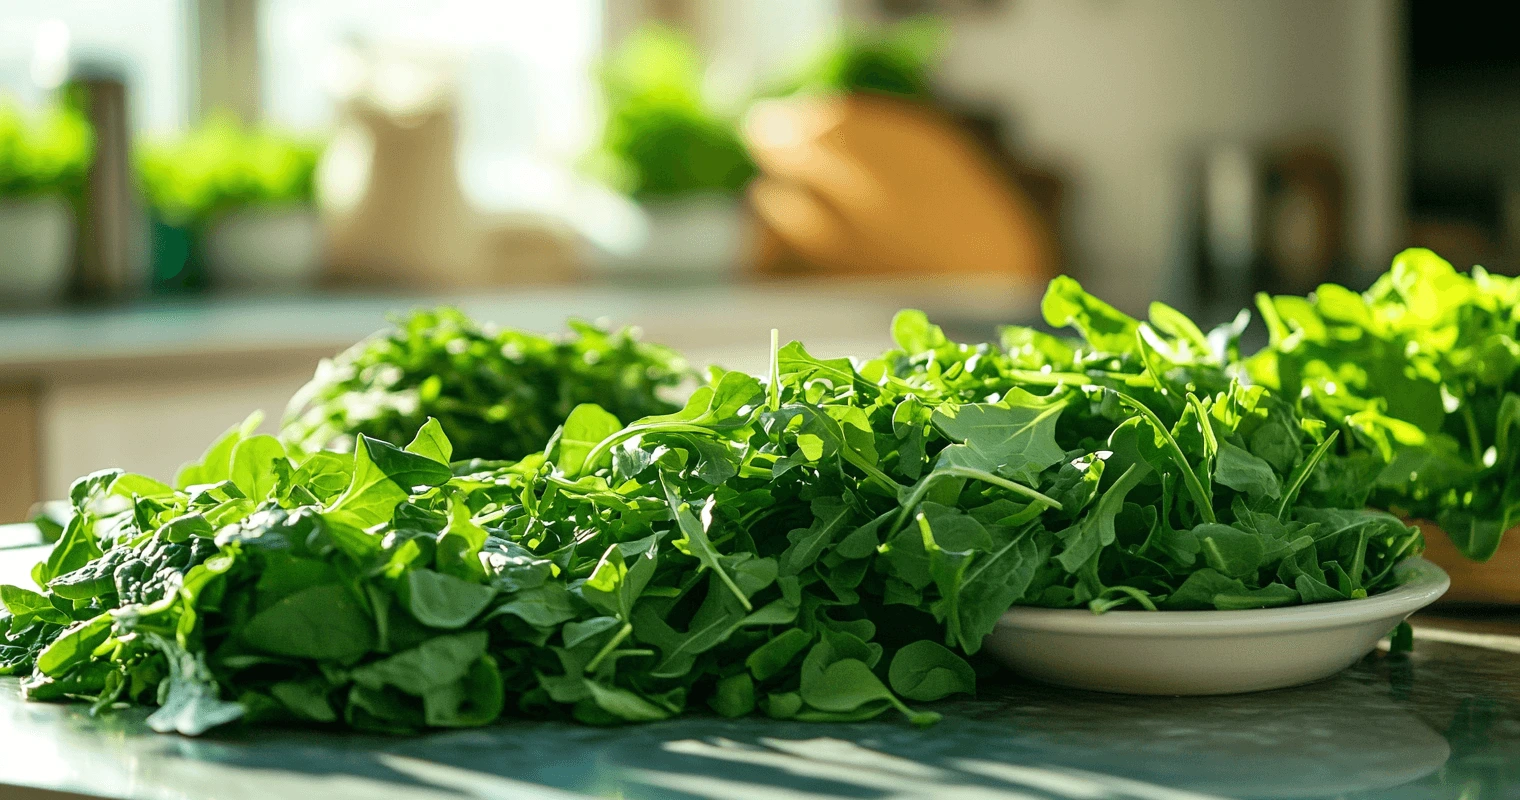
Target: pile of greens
column 499, row 394
column 829, row 543
column 1422, row 369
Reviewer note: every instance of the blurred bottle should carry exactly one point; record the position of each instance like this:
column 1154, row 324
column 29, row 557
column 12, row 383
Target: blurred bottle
column 107, row 259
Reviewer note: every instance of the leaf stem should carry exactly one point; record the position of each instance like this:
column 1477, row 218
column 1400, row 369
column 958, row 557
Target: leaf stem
column 1189, row 477
column 775, row 365
column 1099, row 605
column 1474, row 441
column 918, row 719
column 752, row 471
column 634, row 430
column 607, row 648
column 1301, row 473
column 1149, row 355
column 922, row 488
column 1210, row 444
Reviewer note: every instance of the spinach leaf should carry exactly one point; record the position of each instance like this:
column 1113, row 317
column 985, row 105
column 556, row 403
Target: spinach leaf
column 321, row 622
column 431, row 442
column 440, row 600
column 258, row 466
column 924, row 670
column 383, row 475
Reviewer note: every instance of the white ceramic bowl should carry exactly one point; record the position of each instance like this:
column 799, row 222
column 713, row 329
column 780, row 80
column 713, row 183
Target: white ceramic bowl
column 1207, row 652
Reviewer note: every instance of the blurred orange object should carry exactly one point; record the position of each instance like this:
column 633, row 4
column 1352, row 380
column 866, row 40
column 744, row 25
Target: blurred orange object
column 871, row 185
column 1492, row 582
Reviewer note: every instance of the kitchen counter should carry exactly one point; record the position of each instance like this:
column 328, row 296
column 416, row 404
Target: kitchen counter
column 1443, row 722
column 204, row 332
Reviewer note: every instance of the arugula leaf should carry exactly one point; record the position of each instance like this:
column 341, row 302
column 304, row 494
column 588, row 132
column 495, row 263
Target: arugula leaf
column 1102, row 325
column 695, row 542
column 495, row 393
column 1017, row 439
column 830, row 516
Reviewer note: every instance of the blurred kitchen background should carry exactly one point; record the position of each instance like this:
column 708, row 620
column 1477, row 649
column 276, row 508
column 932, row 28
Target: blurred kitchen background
column 200, row 198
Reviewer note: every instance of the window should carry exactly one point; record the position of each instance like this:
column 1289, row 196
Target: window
column 144, row 40
column 523, row 70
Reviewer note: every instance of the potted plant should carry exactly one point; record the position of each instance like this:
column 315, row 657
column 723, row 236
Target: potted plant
column 679, row 160
column 242, row 201
column 44, row 158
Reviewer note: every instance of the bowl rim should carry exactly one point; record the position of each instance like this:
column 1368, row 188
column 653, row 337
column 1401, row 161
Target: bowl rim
column 1420, row 584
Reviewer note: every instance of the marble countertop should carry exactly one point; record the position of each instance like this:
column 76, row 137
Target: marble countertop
column 1443, row 722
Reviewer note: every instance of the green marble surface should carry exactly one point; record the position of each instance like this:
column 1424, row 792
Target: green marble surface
column 1441, row 723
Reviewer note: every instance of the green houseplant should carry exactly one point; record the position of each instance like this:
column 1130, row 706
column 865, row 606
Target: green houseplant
column 669, row 151
column 44, row 158
column 241, row 201
column 895, row 60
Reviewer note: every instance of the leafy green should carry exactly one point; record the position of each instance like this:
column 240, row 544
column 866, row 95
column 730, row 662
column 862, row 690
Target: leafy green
column 1421, row 375
column 321, row 622
column 925, row 670
column 497, row 394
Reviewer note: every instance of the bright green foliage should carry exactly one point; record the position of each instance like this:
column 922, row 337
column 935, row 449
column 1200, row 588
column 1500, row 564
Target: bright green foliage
column 221, row 166
column 497, row 394
column 823, row 546
column 1420, row 373
column 41, row 153
column 662, row 139
column 895, row 60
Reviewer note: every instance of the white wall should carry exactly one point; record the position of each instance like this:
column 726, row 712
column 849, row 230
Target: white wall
column 1121, row 94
